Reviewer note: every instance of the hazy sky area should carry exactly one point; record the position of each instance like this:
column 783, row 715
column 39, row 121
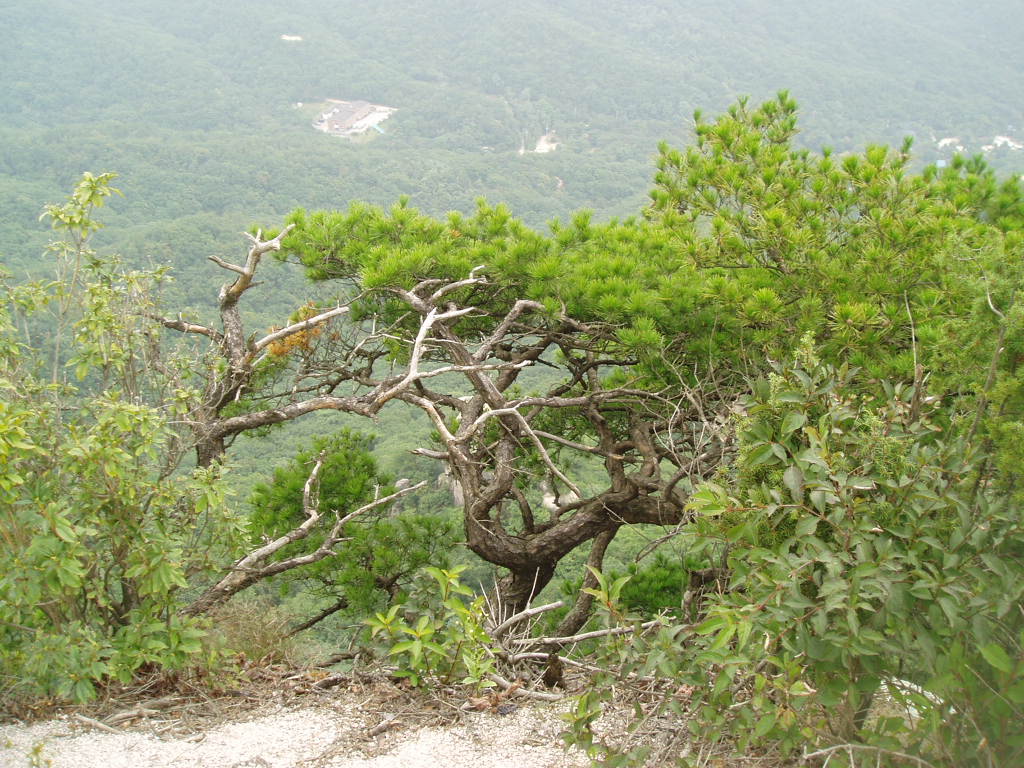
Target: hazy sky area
column 197, row 105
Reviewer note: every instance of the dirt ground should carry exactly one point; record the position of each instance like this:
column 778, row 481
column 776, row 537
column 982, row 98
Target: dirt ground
column 329, row 735
column 295, row 724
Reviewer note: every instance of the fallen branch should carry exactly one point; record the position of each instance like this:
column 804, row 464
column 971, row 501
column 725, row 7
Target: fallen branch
column 879, row 751
column 514, row 689
column 385, row 725
column 330, row 681
column 143, row 709
column 502, row 628
column 334, row 658
column 131, row 714
column 95, row 723
column 586, row 635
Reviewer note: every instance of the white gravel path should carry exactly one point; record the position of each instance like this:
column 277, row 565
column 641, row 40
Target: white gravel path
column 330, row 736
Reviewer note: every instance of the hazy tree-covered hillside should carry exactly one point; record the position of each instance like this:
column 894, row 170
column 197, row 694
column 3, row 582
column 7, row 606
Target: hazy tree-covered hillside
column 194, row 104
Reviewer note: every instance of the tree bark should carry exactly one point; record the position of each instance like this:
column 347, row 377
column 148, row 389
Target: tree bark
column 516, row 590
column 575, row 619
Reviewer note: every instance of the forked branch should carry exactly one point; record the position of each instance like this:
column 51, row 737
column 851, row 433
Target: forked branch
column 255, row 567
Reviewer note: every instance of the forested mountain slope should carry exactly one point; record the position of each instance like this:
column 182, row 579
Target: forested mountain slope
column 193, row 104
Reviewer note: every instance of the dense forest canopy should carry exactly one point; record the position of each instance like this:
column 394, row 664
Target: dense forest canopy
column 201, row 100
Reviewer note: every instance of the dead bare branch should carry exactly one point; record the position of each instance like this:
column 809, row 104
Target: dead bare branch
column 95, row 723
column 577, row 446
column 444, row 290
column 180, row 324
column 413, row 372
column 587, row 635
column 302, row 325
column 253, row 567
column 515, row 689
column 226, row 265
column 487, row 348
column 877, row 751
column 511, row 621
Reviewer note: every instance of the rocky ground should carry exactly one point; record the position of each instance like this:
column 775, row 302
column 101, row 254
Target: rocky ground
column 337, row 734
column 296, row 725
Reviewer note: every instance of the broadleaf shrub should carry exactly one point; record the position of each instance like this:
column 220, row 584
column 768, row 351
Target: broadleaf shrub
column 100, row 531
column 874, row 584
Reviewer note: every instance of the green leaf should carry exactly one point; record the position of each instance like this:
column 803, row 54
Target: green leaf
column 793, row 421
column 793, row 479
column 722, row 638
column 800, row 688
column 709, row 499
column 83, row 691
column 819, row 500
column 761, row 454
column 708, row 626
column 996, row 656
column 765, row 725
column 434, row 648
column 64, row 530
column 806, row 526
column 948, row 606
column 1015, row 692
column 743, row 634
column 123, row 420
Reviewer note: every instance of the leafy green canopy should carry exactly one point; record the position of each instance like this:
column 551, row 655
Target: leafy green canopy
column 748, row 244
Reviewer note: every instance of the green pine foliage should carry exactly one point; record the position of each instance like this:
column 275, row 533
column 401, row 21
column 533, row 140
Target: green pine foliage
column 383, row 550
column 655, row 586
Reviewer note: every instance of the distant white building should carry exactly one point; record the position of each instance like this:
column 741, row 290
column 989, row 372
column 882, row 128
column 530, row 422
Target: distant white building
column 546, row 143
column 351, row 118
column 1006, row 141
